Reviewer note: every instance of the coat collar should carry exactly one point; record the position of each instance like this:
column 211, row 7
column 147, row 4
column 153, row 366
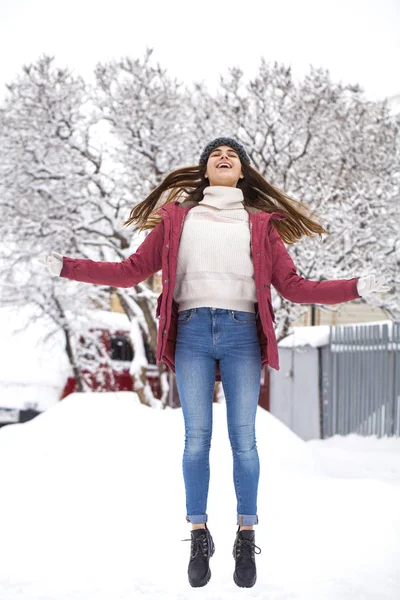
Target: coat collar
column 188, row 204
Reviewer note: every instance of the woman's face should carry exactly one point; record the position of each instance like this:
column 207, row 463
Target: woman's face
column 218, row 174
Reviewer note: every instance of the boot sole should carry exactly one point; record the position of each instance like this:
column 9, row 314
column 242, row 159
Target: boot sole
column 241, row 584
column 202, row 582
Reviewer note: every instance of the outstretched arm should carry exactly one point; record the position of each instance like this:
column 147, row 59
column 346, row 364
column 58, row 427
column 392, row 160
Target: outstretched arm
column 127, row 273
column 297, row 289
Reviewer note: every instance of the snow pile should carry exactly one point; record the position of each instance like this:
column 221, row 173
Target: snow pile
column 33, row 369
column 93, row 506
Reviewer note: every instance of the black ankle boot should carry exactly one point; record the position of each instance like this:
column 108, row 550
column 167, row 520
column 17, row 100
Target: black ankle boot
column 245, row 574
column 202, row 548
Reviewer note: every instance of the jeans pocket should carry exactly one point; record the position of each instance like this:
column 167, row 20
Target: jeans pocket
column 242, row 316
column 185, row 315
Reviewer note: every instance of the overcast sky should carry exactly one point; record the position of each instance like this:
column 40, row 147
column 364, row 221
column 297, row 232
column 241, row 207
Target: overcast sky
column 357, row 40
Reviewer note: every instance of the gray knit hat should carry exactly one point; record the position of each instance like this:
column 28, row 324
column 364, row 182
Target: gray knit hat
column 224, row 141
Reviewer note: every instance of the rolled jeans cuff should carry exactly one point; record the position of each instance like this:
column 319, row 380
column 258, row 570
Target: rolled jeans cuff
column 197, row 518
column 247, row 520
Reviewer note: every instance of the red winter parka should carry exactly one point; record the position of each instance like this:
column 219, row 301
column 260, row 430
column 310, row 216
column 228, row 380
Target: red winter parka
column 272, row 265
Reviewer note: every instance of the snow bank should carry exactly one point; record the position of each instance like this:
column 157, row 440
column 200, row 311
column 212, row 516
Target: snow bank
column 93, row 506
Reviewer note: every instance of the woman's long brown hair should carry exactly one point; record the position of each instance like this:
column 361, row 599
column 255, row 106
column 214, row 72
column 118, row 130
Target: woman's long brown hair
column 189, row 182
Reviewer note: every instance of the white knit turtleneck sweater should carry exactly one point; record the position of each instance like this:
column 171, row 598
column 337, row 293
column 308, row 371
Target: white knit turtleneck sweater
column 215, row 267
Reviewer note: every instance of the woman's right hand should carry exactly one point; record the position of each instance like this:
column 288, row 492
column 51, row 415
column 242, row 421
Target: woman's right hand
column 53, row 262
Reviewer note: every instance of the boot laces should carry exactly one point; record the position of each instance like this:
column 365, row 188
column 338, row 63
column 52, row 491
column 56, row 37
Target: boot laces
column 245, row 547
column 199, row 543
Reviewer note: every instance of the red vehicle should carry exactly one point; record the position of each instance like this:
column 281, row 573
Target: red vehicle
column 118, row 346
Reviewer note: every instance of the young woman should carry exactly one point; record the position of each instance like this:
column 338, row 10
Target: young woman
column 218, row 238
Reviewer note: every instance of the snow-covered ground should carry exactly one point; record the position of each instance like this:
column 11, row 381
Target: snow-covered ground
column 93, row 508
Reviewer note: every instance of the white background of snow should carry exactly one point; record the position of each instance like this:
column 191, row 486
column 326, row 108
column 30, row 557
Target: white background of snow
column 93, row 507
column 31, row 370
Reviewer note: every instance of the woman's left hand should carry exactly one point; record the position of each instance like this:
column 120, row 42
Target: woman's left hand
column 369, row 284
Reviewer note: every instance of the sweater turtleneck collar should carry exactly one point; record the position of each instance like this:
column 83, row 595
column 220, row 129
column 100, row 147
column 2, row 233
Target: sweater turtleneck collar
column 222, row 197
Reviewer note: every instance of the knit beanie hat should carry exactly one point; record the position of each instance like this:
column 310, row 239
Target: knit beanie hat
column 224, row 141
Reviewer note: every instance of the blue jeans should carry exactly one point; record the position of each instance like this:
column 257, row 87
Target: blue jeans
column 204, row 335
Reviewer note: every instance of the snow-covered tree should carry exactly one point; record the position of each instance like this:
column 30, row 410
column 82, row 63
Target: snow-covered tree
column 324, row 144
column 51, row 186
column 75, row 158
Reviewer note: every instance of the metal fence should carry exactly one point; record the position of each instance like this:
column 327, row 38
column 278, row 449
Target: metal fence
column 360, row 380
